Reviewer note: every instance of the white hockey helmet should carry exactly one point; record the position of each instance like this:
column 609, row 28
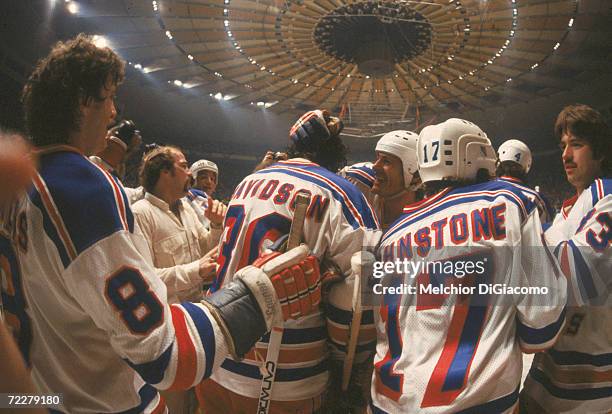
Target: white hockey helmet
column 515, row 151
column 204, row 165
column 402, row 144
column 454, row 150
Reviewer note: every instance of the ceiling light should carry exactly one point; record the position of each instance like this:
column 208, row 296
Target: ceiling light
column 571, row 22
column 138, row 66
column 295, row 81
column 535, row 65
column 73, row 8
column 556, row 46
column 509, row 80
column 168, row 34
column 190, row 57
column 367, row 76
column 99, row 41
column 226, row 23
column 178, row 82
column 260, row 103
column 218, row 95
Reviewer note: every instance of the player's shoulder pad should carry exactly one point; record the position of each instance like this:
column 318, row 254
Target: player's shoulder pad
column 524, row 197
column 81, row 203
column 355, row 207
column 600, row 188
column 361, row 172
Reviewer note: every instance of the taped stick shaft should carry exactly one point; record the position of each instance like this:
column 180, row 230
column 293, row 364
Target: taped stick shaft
column 276, row 335
column 354, row 328
column 302, row 200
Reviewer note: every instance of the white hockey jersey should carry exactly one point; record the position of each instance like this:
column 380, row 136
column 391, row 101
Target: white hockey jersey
column 441, row 350
column 339, row 221
column 101, row 331
column 575, row 376
column 199, row 201
column 544, row 208
column 362, row 175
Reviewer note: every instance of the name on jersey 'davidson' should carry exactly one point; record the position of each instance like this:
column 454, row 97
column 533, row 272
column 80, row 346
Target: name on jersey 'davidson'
column 458, row 289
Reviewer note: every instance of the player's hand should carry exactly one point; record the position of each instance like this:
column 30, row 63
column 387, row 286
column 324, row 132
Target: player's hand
column 216, row 212
column 207, row 268
column 17, row 167
column 296, row 280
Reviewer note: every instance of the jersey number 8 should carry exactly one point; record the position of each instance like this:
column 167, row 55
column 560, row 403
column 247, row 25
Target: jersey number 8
column 129, row 293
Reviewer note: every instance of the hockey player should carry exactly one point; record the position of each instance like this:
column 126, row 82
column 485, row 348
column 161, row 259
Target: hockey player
column 397, row 178
column 392, row 181
column 574, row 376
column 441, row 350
column 337, row 224
column 102, row 332
column 514, row 162
column 206, row 175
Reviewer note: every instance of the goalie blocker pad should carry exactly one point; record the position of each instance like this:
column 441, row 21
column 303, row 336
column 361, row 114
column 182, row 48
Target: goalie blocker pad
column 249, row 306
column 239, row 316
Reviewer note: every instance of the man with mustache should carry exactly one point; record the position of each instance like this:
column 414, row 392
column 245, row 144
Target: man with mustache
column 176, row 238
column 574, row 375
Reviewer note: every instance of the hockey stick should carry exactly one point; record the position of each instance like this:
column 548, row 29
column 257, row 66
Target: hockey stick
column 268, row 371
column 355, row 322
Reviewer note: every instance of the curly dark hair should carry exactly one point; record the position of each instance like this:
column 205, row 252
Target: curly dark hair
column 74, row 72
column 330, row 154
column 154, row 162
column 512, row 169
column 586, row 123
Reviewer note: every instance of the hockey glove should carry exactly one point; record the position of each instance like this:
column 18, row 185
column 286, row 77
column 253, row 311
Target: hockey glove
column 275, row 288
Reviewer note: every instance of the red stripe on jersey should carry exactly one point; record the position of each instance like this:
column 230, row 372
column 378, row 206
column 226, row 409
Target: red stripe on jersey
column 161, row 406
column 118, row 197
column 434, row 396
column 344, row 196
column 55, row 216
column 600, row 189
column 187, row 359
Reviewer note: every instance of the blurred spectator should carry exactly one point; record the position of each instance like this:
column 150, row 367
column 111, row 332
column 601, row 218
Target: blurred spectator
column 121, row 141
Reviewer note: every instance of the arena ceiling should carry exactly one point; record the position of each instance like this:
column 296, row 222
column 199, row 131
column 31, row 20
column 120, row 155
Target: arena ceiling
column 238, row 72
column 379, row 63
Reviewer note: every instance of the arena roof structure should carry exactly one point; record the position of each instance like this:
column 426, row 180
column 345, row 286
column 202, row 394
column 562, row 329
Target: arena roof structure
column 382, row 65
